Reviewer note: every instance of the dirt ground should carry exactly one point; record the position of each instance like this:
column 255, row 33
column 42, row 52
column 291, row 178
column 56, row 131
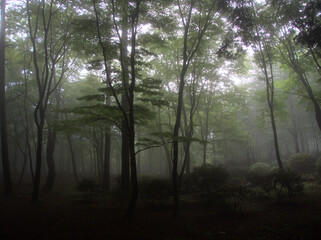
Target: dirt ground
column 62, row 214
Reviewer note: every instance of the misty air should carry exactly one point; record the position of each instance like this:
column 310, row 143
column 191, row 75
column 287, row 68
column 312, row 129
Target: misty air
column 150, row 119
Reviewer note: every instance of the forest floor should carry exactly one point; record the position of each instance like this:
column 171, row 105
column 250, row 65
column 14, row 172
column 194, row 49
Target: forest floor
column 62, row 214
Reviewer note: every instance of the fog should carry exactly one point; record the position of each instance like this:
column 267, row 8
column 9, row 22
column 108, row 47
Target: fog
column 160, row 119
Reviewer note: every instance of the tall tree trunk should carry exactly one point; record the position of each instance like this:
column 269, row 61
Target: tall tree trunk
column 51, row 144
column 44, row 70
column 276, row 144
column 266, row 62
column 36, row 183
column 73, row 160
column 167, row 152
column 8, row 188
column 106, row 173
column 188, row 52
column 125, row 176
column 292, row 60
column 187, row 144
column 131, row 118
column 25, row 160
column 128, row 114
column 294, row 134
column 52, row 136
column 175, row 138
column 205, row 135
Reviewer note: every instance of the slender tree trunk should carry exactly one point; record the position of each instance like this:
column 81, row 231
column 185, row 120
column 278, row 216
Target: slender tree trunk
column 125, row 176
column 131, row 118
column 51, row 144
column 276, row 144
column 269, row 81
column 175, row 139
column 167, row 152
column 25, row 160
column 36, row 184
column 292, row 60
column 134, row 180
column 106, row 173
column 73, row 160
column 8, row 188
column 187, row 144
column 295, row 140
column 205, row 135
column 16, row 152
column 188, row 54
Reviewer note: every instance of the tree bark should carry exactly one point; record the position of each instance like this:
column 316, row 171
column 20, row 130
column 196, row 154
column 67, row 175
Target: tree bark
column 269, row 82
column 188, row 55
column 131, row 118
column 106, row 173
column 125, row 176
column 205, row 134
column 167, row 152
column 8, row 188
column 73, row 160
column 292, row 60
column 44, row 72
column 36, row 183
column 51, row 144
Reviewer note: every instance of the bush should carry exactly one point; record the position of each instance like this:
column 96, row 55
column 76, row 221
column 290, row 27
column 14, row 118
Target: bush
column 87, row 185
column 258, row 175
column 229, row 196
column 89, row 189
column 238, row 175
column 302, row 163
column 155, row 188
column 206, row 179
column 286, row 183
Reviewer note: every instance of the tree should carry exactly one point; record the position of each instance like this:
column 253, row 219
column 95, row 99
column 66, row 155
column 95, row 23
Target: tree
column 257, row 31
column 3, row 120
column 290, row 54
column 125, row 176
column 191, row 43
column 128, row 88
column 47, row 55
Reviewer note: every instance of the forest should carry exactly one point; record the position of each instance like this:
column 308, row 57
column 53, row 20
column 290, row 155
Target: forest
column 151, row 119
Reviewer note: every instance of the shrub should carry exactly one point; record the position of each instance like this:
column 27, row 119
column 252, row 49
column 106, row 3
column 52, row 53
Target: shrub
column 286, row 183
column 89, row 188
column 229, row 196
column 155, row 188
column 302, row 163
column 238, row 175
column 87, row 185
column 206, row 179
column 258, row 175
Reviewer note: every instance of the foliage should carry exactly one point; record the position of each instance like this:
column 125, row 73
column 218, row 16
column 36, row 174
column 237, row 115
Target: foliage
column 259, row 175
column 229, row 197
column 206, row 179
column 286, row 184
column 87, row 185
column 89, row 189
column 238, row 175
column 155, row 188
column 309, row 24
column 302, row 163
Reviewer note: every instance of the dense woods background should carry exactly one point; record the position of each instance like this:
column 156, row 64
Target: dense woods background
column 173, row 101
